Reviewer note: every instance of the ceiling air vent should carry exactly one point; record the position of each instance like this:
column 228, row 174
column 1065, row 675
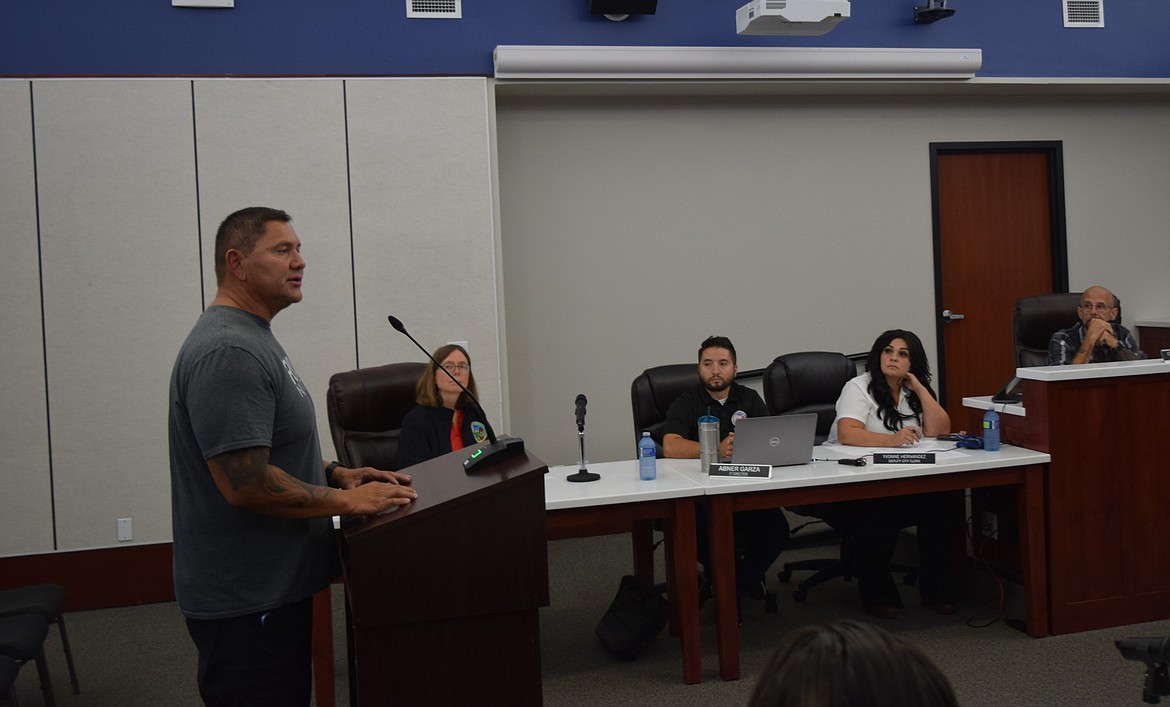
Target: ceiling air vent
column 1084, row 13
column 435, row 9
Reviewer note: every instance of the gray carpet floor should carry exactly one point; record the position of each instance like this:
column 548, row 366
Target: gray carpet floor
column 142, row 656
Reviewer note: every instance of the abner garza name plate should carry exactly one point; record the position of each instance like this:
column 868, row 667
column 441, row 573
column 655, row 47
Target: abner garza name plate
column 903, row 458
column 741, row 471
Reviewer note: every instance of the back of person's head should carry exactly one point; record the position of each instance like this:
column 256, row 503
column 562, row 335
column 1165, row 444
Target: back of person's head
column 721, row 342
column 240, row 231
column 850, row 664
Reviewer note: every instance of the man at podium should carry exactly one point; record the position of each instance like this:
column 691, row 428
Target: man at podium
column 251, row 508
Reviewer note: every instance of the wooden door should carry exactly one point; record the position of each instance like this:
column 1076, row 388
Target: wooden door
column 999, row 236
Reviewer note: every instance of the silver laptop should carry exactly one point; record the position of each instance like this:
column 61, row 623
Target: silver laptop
column 781, row 440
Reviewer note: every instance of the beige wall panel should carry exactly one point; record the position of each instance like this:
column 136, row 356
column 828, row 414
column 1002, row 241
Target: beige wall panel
column 1116, row 184
column 423, row 222
column 281, row 143
column 121, row 286
column 26, row 513
column 633, row 228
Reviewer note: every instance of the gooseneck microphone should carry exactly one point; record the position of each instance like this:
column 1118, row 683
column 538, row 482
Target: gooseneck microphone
column 496, row 450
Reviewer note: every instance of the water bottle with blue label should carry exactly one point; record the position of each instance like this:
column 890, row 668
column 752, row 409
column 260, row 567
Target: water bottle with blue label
column 647, row 461
column 991, row 431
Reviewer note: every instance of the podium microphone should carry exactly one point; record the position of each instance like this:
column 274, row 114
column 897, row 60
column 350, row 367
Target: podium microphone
column 496, row 450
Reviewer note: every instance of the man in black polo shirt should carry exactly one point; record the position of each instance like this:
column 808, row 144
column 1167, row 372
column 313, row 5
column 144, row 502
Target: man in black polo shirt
column 760, row 535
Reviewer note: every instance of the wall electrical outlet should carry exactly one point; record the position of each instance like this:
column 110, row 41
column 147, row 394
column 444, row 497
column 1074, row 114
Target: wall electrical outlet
column 990, row 525
column 125, row 529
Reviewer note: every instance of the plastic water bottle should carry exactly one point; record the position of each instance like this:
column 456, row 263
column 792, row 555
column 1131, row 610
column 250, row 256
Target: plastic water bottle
column 991, row 431
column 708, row 442
column 647, row 461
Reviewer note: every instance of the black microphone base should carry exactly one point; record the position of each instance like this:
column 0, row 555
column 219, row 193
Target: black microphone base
column 494, row 453
column 582, row 476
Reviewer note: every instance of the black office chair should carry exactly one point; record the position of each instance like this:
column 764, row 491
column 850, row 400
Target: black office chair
column 366, row 407
column 811, row 381
column 9, row 669
column 652, row 393
column 1035, row 319
column 46, row 600
column 22, row 638
column 808, row 381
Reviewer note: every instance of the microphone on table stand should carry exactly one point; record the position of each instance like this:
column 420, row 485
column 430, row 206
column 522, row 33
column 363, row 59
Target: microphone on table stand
column 581, row 412
column 497, row 450
column 583, row 474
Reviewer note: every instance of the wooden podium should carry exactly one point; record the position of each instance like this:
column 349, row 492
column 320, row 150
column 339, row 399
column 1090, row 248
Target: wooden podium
column 443, row 594
column 1107, row 488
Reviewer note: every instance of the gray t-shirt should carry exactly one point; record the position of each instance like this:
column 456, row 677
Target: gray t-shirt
column 233, row 387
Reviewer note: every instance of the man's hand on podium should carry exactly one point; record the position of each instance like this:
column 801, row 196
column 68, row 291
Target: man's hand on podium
column 372, row 491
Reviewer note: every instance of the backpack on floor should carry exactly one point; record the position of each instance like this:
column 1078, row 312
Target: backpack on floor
column 638, row 614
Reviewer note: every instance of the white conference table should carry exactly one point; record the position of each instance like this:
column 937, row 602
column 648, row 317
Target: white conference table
column 829, row 481
column 620, row 502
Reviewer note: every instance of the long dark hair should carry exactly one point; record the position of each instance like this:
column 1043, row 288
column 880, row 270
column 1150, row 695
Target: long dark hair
column 879, row 388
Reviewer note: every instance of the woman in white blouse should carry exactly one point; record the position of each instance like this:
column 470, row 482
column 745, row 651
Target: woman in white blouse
column 893, row 405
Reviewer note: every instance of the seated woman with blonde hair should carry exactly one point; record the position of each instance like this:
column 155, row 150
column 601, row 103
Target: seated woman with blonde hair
column 445, row 418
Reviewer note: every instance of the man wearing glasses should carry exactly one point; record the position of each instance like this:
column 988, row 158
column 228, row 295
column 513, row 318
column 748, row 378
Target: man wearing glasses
column 1097, row 337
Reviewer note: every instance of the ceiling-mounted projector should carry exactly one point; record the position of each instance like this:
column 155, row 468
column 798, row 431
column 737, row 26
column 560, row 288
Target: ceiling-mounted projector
column 790, row 17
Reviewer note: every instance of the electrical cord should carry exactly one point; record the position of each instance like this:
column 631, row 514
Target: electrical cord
column 859, row 461
column 1004, row 441
column 997, row 603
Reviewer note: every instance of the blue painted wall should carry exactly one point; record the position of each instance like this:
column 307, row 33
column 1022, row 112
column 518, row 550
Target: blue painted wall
column 373, row 37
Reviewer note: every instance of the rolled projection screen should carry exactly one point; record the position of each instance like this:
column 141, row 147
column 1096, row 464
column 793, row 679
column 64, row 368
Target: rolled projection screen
column 552, row 62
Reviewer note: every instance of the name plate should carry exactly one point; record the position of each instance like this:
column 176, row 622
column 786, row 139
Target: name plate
column 903, row 458
column 741, row 471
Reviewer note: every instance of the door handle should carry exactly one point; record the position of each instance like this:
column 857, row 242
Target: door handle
column 949, row 316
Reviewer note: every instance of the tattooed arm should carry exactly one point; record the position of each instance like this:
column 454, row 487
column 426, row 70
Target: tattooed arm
column 247, row 479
